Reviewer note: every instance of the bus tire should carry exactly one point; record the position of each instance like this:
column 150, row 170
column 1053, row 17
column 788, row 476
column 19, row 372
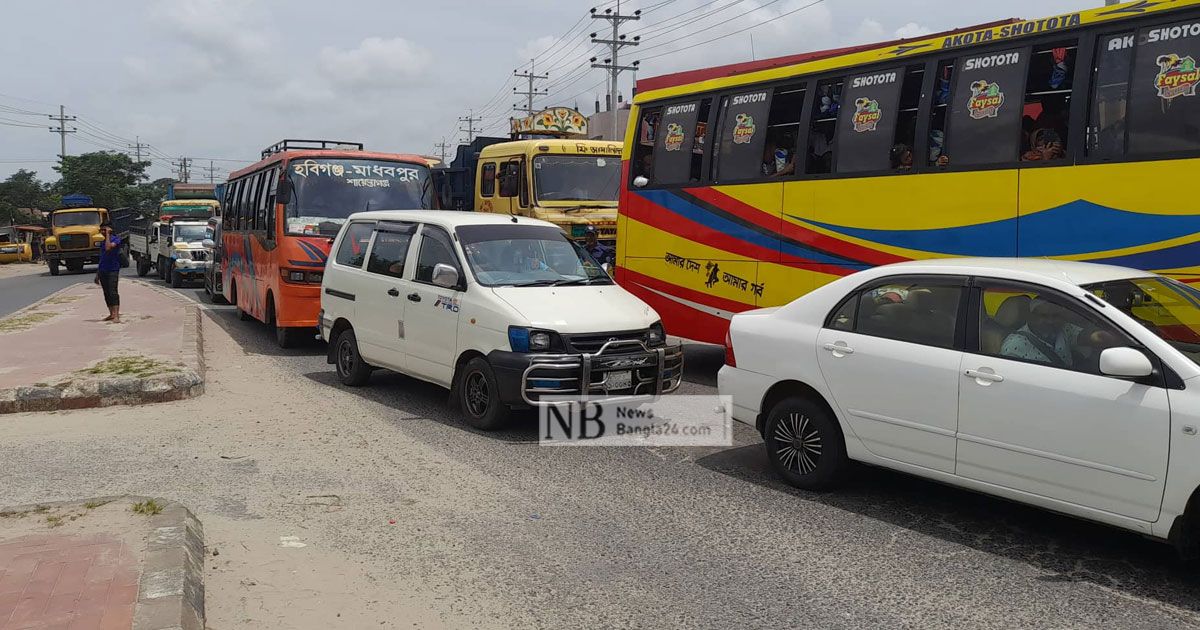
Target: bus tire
column 479, row 396
column 352, row 370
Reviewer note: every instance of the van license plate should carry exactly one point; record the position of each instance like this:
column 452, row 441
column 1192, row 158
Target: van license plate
column 619, row 380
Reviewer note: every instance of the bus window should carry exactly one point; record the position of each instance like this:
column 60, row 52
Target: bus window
column 901, row 156
column 1048, row 102
column 985, row 118
column 824, row 123
column 867, row 131
column 229, row 217
column 942, row 87
column 643, row 150
column 783, row 130
column 699, row 141
column 487, row 181
column 251, row 202
column 260, row 205
column 1165, row 111
column 510, row 178
column 1110, row 95
column 272, row 184
column 240, row 203
column 673, row 143
column 744, row 136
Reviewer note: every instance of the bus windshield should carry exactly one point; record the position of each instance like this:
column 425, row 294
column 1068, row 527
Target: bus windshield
column 325, row 192
column 68, row 219
column 576, row 178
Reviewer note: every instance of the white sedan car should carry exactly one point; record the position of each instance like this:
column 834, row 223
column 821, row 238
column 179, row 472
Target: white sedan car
column 1070, row 386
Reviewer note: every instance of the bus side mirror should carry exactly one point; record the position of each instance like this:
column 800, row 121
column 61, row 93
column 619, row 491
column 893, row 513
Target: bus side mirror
column 640, row 181
column 283, row 192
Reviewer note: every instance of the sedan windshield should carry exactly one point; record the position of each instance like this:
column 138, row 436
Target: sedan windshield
column 575, row 178
column 527, row 256
column 68, row 219
column 1168, row 308
column 327, row 191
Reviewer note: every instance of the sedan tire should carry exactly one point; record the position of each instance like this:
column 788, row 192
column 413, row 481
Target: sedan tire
column 805, row 445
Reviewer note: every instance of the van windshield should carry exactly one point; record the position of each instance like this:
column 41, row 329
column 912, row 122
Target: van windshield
column 576, row 178
column 527, row 256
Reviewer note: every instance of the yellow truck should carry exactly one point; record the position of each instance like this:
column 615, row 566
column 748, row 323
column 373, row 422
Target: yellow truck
column 554, row 176
column 75, row 239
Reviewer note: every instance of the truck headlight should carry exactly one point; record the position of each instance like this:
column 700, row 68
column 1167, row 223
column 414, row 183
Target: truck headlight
column 656, row 336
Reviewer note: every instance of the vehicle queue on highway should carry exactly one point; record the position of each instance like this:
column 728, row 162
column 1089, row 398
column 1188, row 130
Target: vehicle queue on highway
column 763, row 206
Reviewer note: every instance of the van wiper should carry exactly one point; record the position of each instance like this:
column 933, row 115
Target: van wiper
column 576, row 281
column 536, row 283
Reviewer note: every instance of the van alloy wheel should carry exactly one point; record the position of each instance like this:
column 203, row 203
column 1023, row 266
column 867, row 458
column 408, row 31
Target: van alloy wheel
column 798, row 443
column 477, row 394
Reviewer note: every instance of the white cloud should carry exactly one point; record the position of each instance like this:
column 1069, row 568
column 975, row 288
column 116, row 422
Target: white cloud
column 868, row 31
column 375, row 63
column 535, row 47
column 911, row 30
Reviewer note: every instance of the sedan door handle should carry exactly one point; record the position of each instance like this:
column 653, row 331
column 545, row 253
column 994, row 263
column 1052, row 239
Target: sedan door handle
column 393, row 292
column 984, row 376
column 838, row 348
column 414, row 297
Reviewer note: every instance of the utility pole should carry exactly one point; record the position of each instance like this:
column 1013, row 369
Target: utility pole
column 184, row 167
column 137, row 147
column 615, row 44
column 62, row 119
column 530, row 92
column 441, row 147
column 212, row 172
column 470, row 119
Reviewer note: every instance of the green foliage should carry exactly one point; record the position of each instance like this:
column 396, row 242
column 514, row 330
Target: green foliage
column 23, row 190
column 111, row 179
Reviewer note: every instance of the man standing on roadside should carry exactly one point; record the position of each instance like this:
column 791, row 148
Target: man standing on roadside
column 110, row 271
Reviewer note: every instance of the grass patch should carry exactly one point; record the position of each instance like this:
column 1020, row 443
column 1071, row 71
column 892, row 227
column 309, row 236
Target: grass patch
column 91, row 505
column 15, row 323
column 63, row 299
column 148, row 508
column 136, row 366
column 54, row 521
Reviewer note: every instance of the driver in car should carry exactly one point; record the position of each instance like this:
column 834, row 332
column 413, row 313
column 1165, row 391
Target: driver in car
column 1047, row 337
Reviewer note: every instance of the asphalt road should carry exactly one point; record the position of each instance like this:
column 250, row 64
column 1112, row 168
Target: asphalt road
column 615, row 537
column 19, row 291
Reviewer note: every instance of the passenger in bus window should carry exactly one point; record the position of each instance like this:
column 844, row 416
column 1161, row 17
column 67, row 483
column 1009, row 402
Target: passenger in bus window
column 901, row 158
column 1045, row 144
column 820, row 152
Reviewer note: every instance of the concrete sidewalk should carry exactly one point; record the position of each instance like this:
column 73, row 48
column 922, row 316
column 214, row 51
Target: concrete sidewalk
column 60, row 354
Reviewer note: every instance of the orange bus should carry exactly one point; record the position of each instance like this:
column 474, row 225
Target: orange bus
column 282, row 213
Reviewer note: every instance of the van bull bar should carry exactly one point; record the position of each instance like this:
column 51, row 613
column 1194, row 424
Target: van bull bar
column 621, row 368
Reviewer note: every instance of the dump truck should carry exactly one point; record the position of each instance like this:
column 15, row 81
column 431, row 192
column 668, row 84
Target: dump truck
column 75, row 239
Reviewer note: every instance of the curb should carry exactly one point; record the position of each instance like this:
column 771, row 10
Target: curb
column 171, row 583
column 171, row 587
column 186, row 383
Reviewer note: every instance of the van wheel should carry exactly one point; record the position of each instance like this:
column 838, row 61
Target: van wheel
column 805, row 445
column 479, row 396
column 352, row 370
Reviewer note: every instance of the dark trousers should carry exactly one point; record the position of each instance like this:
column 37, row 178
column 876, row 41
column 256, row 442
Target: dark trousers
column 108, row 282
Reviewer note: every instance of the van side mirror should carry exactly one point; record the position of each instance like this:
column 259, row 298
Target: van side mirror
column 1125, row 363
column 445, row 276
column 283, row 192
column 640, row 181
column 207, row 243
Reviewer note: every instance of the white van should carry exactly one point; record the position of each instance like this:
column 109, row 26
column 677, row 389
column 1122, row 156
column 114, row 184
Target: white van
column 500, row 309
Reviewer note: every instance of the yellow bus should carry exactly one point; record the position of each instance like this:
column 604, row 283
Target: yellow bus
column 1070, row 137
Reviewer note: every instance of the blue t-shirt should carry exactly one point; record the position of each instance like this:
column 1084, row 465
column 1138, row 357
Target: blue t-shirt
column 110, row 259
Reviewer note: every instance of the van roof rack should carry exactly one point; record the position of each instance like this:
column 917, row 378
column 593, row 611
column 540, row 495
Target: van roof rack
column 292, row 144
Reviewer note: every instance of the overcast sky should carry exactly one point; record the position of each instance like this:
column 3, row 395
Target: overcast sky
column 224, row 78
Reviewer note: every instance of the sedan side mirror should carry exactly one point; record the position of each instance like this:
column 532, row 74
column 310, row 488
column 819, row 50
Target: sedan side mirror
column 1125, row 363
column 640, row 181
column 445, row 276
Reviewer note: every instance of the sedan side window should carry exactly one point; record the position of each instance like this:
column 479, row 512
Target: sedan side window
column 1026, row 323
column 923, row 312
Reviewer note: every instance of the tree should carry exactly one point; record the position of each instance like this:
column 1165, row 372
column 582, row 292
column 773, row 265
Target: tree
column 111, row 179
column 23, row 190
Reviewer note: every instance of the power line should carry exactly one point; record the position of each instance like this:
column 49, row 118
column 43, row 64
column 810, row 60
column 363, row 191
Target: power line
column 62, row 119
column 531, row 92
column 741, row 30
column 618, row 41
column 470, row 119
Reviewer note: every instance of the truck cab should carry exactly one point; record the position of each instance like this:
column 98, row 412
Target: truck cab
column 75, row 239
column 182, row 256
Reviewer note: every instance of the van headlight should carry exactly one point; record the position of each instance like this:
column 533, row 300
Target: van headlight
column 523, row 339
column 656, row 336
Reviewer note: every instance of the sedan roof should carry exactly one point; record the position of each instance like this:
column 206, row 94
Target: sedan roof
column 1073, row 272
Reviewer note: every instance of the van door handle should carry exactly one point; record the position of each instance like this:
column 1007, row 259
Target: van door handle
column 984, row 376
column 414, row 297
column 839, row 349
column 393, row 292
